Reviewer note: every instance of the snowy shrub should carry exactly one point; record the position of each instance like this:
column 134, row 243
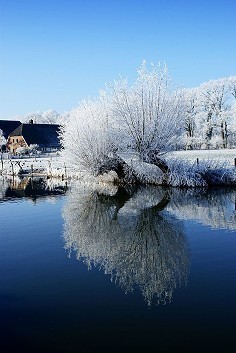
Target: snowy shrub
column 218, row 173
column 184, row 174
column 207, row 173
column 86, row 139
column 22, row 150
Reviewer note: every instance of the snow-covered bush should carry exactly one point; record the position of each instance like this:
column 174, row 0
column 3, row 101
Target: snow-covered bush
column 184, row 174
column 87, row 139
column 207, row 173
column 22, row 150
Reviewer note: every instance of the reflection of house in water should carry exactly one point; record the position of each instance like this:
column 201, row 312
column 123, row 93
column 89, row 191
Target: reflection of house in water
column 131, row 238
column 32, row 187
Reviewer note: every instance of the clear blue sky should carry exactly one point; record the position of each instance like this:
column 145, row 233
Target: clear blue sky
column 54, row 53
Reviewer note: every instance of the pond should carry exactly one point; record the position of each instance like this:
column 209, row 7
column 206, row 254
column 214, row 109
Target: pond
column 89, row 268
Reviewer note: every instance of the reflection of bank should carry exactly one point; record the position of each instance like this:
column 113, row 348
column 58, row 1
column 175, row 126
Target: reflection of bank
column 131, row 238
column 33, row 188
column 215, row 207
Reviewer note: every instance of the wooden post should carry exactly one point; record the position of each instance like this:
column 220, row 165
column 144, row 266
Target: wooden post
column 12, row 167
column 65, row 170
column 2, row 161
column 197, row 161
column 235, row 162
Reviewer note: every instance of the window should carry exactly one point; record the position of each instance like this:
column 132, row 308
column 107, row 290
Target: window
column 13, row 140
column 16, row 140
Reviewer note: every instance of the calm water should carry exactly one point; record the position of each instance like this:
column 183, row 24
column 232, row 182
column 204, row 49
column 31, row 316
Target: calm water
column 102, row 270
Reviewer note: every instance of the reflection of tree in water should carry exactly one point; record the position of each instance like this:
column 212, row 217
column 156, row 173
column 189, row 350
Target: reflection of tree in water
column 130, row 239
column 3, row 187
column 214, row 207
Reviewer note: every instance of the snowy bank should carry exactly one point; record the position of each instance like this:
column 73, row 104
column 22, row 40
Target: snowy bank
column 196, row 168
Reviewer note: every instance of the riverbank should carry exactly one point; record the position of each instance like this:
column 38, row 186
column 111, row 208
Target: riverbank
column 186, row 168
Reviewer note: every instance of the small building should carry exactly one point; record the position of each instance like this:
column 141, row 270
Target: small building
column 45, row 136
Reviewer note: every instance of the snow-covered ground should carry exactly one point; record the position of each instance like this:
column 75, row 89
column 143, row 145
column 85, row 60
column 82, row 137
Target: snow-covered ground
column 55, row 166
column 220, row 155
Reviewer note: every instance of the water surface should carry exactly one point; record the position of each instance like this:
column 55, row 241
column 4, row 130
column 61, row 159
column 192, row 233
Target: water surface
column 88, row 269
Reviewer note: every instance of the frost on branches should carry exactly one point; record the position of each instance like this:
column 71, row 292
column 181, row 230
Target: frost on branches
column 142, row 119
column 209, row 118
column 130, row 124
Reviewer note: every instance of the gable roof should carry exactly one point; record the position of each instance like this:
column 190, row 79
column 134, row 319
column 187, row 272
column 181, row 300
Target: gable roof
column 7, row 126
column 44, row 135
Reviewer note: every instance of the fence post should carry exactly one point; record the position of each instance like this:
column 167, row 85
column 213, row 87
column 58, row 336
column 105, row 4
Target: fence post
column 2, row 161
column 12, row 167
column 65, row 170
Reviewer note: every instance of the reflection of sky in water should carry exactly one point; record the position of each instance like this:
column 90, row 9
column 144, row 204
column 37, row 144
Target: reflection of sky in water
column 50, row 302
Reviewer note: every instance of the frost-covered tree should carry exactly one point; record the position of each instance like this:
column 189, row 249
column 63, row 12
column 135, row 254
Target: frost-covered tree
column 2, row 140
column 143, row 118
column 47, row 117
column 232, row 85
column 148, row 118
column 87, row 137
column 213, row 119
column 34, row 117
column 191, row 108
column 148, row 112
column 214, row 100
column 50, row 117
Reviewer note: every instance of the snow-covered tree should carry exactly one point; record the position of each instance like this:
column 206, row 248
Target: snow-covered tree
column 232, row 85
column 148, row 118
column 2, row 140
column 143, row 118
column 213, row 117
column 147, row 113
column 214, row 100
column 87, row 138
column 191, row 108
column 34, row 117
column 50, row 117
column 47, row 117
